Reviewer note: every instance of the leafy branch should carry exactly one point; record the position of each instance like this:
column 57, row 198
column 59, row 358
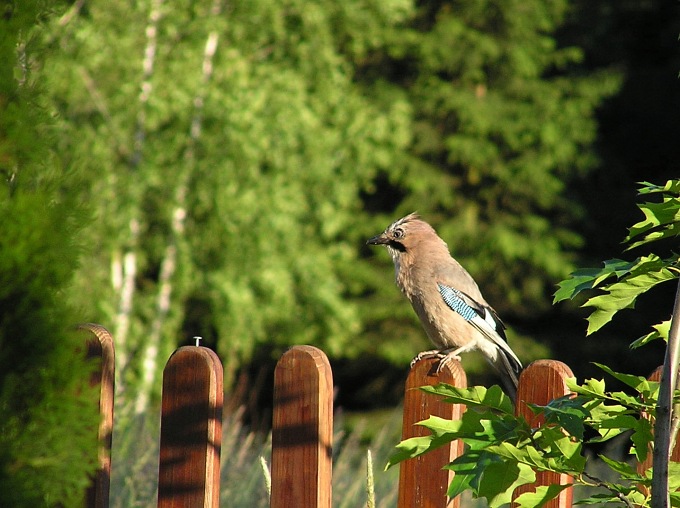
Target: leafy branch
column 504, row 452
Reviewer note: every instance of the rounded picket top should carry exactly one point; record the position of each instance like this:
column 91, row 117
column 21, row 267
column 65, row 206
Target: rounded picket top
column 191, row 429
column 302, row 429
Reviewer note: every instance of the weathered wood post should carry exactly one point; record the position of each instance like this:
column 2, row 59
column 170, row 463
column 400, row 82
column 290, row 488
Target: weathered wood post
column 422, row 481
column 191, row 430
column 541, row 382
column 101, row 346
column 302, row 430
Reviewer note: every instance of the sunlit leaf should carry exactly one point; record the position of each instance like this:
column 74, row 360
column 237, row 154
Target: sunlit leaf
column 661, row 220
column 622, row 294
column 661, row 331
column 476, row 396
column 671, row 186
column 639, row 383
column 500, row 479
column 540, row 496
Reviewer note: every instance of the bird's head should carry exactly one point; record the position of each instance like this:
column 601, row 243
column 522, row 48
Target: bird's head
column 405, row 234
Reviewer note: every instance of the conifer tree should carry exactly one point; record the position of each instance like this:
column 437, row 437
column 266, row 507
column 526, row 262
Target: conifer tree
column 504, row 122
column 48, row 413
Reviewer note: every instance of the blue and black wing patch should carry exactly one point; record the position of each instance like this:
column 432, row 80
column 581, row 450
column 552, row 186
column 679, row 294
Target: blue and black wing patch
column 482, row 318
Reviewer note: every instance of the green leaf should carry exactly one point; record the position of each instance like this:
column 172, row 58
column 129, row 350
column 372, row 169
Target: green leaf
column 500, row 479
column 661, row 331
column 674, row 475
column 415, row 446
column 468, row 469
column 599, row 499
column 567, row 412
column 638, row 383
column 476, row 396
column 620, row 295
column 589, row 278
column 622, row 468
column 641, row 439
column 591, row 387
column 675, row 498
column 540, row 496
column 441, row 426
column 570, row 451
column 671, row 186
column 611, row 427
column 408, row 449
column 665, row 214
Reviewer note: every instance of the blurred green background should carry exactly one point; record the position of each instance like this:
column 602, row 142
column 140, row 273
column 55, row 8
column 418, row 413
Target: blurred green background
column 213, row 168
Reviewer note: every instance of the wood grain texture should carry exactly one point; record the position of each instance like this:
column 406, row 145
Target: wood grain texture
column 541, row 382
column 100, row 346
column 191, row 430
column 302, row 430
column 422, row 481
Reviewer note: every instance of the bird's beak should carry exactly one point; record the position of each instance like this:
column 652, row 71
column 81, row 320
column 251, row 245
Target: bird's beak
column 380, row 239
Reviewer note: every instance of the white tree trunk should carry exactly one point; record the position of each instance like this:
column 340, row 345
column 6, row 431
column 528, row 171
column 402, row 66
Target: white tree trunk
column 169, row 264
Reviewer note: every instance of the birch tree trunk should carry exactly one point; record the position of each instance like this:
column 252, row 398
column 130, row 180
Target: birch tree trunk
column 129, row 272
column 179, row 213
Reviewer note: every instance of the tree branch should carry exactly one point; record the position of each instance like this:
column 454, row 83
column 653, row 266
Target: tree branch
column 666, row 421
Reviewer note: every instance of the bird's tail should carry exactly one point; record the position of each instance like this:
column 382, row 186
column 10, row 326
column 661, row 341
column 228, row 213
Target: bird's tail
column 508, row 368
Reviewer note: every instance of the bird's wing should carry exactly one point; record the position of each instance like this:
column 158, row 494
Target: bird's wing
column 481, row 317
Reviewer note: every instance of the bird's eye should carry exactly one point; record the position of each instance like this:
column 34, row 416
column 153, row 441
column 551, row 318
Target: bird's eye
column 398, row 233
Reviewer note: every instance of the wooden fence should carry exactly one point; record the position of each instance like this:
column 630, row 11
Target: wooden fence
column 191, row 428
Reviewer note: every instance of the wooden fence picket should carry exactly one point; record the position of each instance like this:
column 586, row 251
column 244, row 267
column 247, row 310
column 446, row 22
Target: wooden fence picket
column 541, row 382
column 101, row 346
column 191, row 429
column 422, row 481
column 302, row 427
column 302, row 430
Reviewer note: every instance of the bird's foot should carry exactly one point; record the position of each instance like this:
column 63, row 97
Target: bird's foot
column 446, row 359
column 423, row 355
column 444, row 356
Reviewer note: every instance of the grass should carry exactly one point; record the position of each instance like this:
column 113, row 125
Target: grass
column 246, row 458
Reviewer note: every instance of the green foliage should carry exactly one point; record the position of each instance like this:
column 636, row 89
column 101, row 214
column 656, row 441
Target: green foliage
column 504, row 451
column 502, row 124
column 635, row 277
column 260, row 168
column 48, row 412
column 269, row 186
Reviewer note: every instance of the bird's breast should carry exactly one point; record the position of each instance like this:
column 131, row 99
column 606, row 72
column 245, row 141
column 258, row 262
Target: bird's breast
column 444, row 327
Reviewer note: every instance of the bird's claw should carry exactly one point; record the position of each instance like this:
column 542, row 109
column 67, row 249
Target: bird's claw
column 444, row 358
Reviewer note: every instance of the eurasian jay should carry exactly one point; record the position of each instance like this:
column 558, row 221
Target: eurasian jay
column 447, row 300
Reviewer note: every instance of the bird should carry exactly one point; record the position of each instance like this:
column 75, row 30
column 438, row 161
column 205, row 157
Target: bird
column 447, row 300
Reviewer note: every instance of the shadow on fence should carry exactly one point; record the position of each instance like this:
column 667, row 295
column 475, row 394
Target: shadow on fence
column 191, row 428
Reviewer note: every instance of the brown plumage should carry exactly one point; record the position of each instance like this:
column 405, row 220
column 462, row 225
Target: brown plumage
column 451, row 308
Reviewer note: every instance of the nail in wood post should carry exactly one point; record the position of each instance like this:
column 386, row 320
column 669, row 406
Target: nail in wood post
column 541, row 382
column 302, row 430
column 191, row 430
column 422, row 481
column 101, row 346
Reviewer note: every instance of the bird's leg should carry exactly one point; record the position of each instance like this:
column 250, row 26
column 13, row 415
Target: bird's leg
column 432, row 353
column 444, row 355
